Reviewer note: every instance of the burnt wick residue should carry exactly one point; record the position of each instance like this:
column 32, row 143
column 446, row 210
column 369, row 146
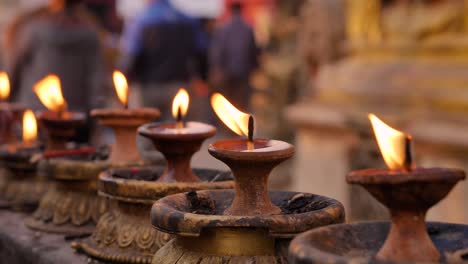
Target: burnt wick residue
column 200, row 204
column 302, row 203
column 101, row 153
column 135, row 174
column 432, row 230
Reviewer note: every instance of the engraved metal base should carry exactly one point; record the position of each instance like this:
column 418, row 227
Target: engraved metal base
column 24, row 194
column 72, row 206
column 125, row 234
column 219, row 245
column 20, row 186
column 206, row 235
column 66, row 211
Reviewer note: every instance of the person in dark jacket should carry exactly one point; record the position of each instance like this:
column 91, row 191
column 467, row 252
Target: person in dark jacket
column 61, row 39
column 159, row 53
column 233, row 58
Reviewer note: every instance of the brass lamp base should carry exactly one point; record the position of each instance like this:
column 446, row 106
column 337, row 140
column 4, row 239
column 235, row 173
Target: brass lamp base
column 124, row 234
column 24, row 194
column 223, row 245
column 205, row 235
column 72, row 206
column 20, row 187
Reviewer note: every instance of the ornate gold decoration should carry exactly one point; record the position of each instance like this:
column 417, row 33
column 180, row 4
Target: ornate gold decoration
column 21, row 191
column 124, row 234
column 177, row 252
column 370, row 22
column 71, row 206
column 364, row 21
column 209, row 236
column 68, row 211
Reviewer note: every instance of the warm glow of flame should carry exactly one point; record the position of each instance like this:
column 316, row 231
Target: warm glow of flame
column 29, row 126
column 236, row 120
column 181, row 100
column 121, row 87
column 392, row 143
column 4, row 86
column 49, row 92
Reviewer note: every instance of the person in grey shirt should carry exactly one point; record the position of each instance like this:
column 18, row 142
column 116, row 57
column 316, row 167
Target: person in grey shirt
column 233, row 58
column 61, row 39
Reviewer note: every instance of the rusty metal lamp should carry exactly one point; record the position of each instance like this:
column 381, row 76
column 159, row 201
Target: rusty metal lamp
column 24, row 188
column 10, row 113
column 248, row 224
column 125, row 234
column 72, row 207
column 408, row 192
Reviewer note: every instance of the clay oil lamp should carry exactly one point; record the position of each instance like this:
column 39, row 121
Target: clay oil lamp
column 24, row 188
column 124, row 122
column 10, row 113
column 408, row 192
column 178, row 140
column 248, row 224
column 60, row 124
column 125, row 234
column 73, row 207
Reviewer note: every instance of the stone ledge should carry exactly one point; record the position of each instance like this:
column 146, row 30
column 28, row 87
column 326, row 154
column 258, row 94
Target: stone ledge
column 19, row 245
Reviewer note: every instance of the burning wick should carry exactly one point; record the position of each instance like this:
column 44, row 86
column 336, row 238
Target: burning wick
column 394, row 145
column 180, row 119
column 239, row 122
column 126, row 102
column 180, row 106
column 60, row 110
column 121, row 88
column 408, row 164
column 250, row 143
column 4, row 86
column 49, row 92
column 29, row 128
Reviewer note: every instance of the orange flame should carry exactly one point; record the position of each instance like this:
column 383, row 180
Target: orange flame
column 121, row 87
column 392, row 143
column 29, row 126
column 236, row 120
column 181, row 100
column 4, row 86
column 49, row 92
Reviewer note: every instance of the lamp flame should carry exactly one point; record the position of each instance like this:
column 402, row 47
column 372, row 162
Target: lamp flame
column 236, row 120
column 4, row 86
column 180, row 104
column 121, row 87
column 49, row 92
column 393, row 144
column 29, row 127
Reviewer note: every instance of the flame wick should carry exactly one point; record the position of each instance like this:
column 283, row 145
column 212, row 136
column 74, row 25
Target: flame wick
column 408, row 164
column 251, row 128
column 250, row 143
column 128, row 99
column 180, row 118
column 61, row 110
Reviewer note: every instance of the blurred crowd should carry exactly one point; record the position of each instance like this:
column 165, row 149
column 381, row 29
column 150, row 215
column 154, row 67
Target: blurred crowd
column 161, row 50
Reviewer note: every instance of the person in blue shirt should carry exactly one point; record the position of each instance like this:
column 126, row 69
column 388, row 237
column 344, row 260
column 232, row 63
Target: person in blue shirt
column 159, row 53
column 233, row 58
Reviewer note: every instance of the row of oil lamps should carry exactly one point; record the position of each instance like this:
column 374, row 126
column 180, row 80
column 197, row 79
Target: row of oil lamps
column 124, row 210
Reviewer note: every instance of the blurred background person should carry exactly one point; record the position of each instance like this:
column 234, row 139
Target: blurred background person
column 234, row 57
column 160, row 50
column 60, row 39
